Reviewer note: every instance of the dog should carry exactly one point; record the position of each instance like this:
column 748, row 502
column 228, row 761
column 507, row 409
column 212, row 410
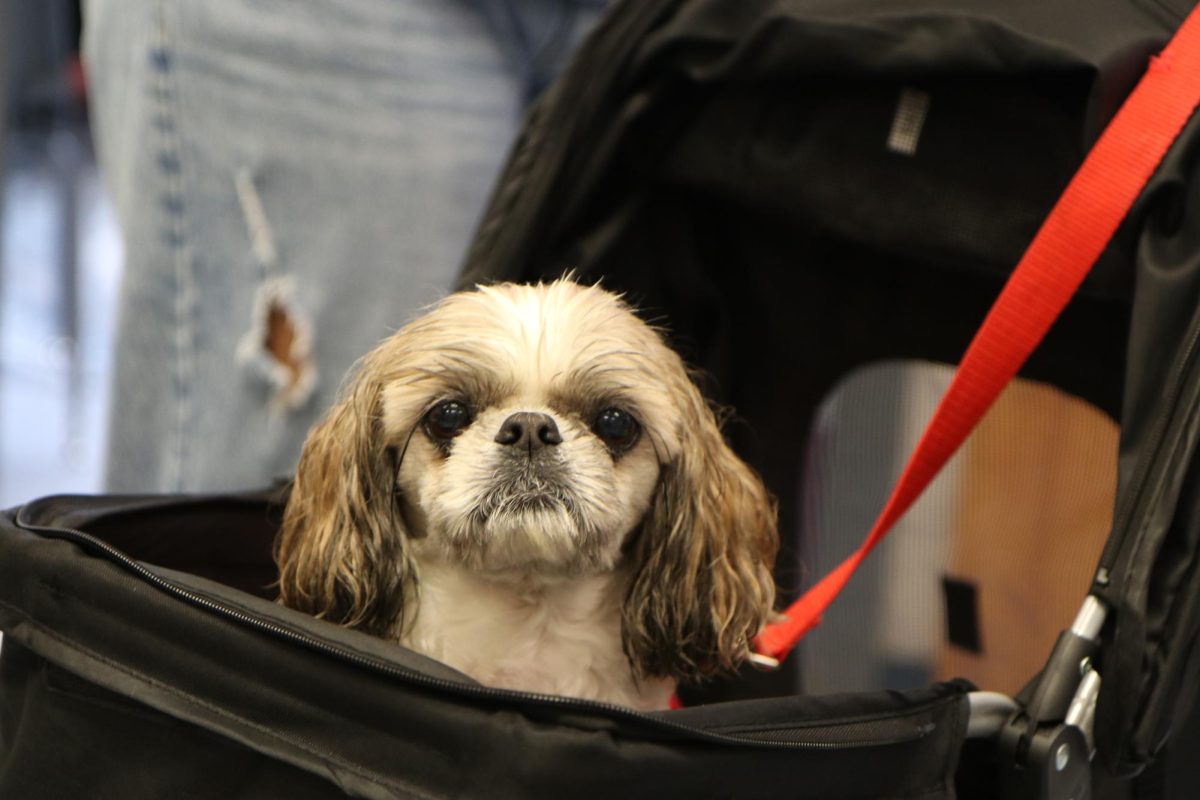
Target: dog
column 526, row 484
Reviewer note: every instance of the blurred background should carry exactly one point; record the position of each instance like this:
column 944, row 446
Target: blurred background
column 60, row 261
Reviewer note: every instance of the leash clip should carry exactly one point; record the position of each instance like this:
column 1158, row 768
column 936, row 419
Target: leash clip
column 765, row 663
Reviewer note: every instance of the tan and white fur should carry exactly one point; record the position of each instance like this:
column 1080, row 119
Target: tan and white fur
column 525, row 484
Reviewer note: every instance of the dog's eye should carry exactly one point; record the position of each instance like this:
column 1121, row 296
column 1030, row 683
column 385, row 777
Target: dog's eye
column 447, row 419
column 617, row 428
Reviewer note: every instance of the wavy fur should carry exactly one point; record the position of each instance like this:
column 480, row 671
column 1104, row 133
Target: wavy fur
column 678, row 531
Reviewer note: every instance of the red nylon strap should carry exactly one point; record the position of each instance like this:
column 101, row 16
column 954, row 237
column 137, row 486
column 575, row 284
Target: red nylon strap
column 1060, row 256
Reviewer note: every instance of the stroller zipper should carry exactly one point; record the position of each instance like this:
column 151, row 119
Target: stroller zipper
column 756, row 737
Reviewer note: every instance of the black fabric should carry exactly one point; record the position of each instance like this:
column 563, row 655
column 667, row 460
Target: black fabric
column 735, row 184
column 1152, row 668
column 65, row 738
column 726, row 167
column 113, row 684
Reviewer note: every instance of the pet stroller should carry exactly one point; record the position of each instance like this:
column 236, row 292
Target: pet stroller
column 805, row 190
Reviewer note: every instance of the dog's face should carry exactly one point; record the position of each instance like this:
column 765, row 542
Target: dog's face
column 530, row 424
column 533, row 430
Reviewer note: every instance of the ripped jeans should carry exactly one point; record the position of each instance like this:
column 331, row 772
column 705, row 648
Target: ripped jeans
column 293, row 181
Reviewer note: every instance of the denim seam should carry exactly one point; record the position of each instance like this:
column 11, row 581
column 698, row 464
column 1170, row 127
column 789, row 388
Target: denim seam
column 174, row 234
column 258, row 227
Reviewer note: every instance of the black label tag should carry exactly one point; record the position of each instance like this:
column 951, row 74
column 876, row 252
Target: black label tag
column 962, row 614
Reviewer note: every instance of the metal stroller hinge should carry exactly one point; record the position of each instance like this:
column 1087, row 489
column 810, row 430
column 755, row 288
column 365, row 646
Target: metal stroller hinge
column 1046, row 748
column 989, row 714
column 1082, row 713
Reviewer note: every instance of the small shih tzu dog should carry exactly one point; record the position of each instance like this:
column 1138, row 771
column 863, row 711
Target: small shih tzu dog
column 525, row 484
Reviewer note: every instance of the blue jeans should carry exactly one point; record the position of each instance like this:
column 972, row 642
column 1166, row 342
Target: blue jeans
column 293, row 180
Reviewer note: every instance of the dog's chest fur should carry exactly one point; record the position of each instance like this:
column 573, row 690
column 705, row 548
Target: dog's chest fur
column 561, row 637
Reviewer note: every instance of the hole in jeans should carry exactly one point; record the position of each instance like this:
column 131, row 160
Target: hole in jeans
column 281, row 337
column 278, row 345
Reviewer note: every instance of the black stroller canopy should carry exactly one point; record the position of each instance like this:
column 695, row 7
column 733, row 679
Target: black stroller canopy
column 734, row 182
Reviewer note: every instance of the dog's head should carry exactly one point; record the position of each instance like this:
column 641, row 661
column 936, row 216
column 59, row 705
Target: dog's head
column 539, row 431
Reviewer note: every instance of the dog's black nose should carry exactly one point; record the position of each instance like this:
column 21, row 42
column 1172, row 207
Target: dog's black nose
column 528, row 430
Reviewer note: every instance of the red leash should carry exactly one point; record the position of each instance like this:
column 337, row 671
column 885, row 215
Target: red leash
column 1070, row 240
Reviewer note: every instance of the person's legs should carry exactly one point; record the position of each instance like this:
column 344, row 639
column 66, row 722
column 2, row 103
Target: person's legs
column 284, row 172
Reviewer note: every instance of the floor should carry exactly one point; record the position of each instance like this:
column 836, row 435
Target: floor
column 54, row 365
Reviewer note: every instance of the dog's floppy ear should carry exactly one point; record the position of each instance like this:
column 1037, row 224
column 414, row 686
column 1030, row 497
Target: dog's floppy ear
column 342, row 551
column 703, row 586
